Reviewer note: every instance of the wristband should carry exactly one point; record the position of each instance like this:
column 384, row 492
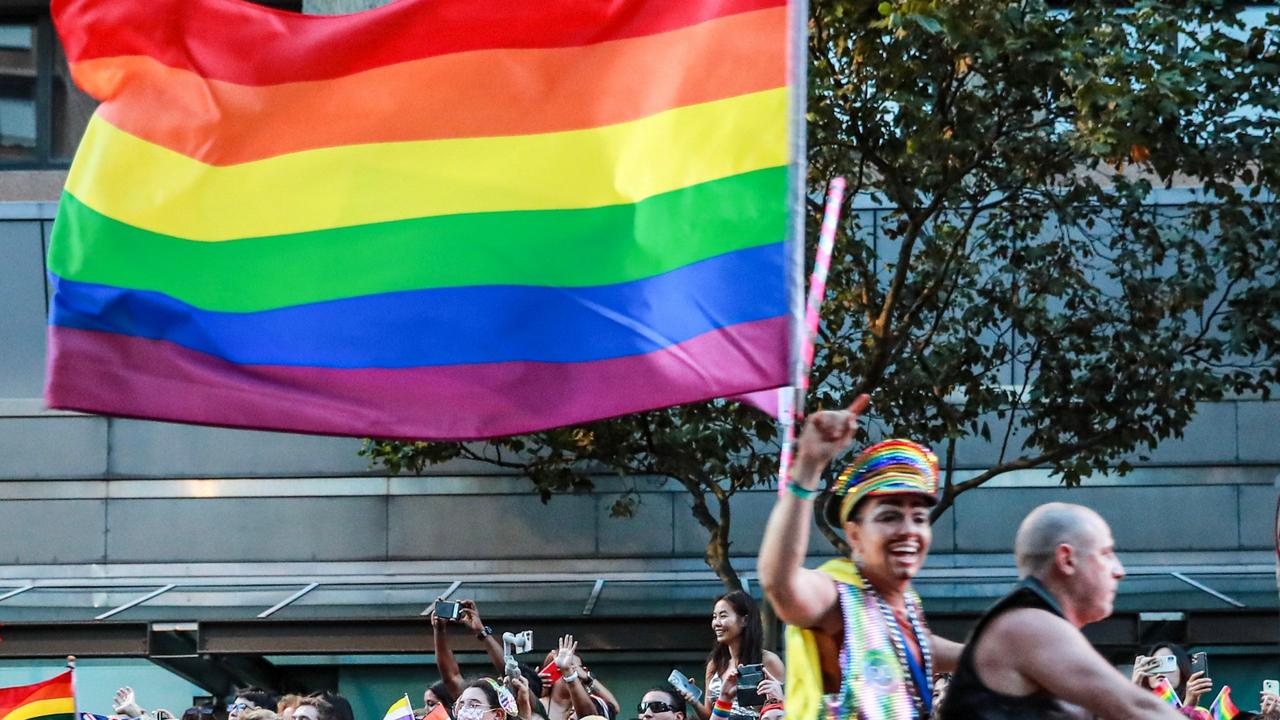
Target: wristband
column 571, row 677
column 486, row 632
column 723, row 708
column 803, row 493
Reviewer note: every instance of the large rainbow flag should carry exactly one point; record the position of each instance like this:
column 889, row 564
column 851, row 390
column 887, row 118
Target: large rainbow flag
column 437, row 219
column 53, row 699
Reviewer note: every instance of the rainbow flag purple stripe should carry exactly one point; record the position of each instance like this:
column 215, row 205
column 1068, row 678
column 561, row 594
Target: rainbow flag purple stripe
column 438, row 219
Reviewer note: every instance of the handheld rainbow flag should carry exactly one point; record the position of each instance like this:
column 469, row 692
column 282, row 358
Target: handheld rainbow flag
column 401, row 710
column 442, row 219
column 53, row 699
column 1166, row 693
column 1223, row 708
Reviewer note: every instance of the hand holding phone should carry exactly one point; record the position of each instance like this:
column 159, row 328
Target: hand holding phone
column 1200, row 664
column 550, row 673
column 1164, row 664
column 681, row 682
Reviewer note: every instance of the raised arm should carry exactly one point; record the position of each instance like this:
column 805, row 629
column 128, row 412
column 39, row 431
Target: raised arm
column 471, row 616
column 446, row 664
column 1073, row 671
column 800, row 596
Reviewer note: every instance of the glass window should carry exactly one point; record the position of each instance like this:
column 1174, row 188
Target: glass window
column 18, row 115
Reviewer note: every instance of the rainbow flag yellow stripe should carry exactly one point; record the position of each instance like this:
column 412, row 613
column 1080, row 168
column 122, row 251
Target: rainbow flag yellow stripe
column 442, row 219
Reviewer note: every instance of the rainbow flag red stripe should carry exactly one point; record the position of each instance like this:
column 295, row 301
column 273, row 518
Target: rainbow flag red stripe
column 438, row 219
column 53, row 699
column 1166, row 693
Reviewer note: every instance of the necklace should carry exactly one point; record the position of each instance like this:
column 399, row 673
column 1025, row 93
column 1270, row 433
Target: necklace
column 900, row 644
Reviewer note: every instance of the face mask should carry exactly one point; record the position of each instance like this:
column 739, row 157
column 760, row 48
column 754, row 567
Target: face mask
column 468, row 713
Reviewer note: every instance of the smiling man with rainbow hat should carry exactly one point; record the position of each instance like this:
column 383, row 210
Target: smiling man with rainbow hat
column 857, row 643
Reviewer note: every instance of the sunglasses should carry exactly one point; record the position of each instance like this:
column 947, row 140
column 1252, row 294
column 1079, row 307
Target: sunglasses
column 655, row 706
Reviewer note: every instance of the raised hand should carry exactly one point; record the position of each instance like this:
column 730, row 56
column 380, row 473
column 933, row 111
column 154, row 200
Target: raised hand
column 519, row 687
column 1142, row 667
column 826, row 434
column 471, row 615
column 1197, row 685
column 126, row 703
column 565, row 653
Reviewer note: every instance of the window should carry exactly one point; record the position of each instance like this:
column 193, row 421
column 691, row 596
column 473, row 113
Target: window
column 42, row 113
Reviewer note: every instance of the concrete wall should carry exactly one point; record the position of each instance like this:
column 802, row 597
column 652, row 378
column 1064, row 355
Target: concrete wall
column 78, row 487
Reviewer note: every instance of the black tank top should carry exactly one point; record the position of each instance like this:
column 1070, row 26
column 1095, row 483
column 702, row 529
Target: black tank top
column 968, row 698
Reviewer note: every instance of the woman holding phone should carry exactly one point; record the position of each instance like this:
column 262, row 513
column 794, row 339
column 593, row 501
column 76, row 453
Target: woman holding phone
column 1188, row 683
column 735, row 620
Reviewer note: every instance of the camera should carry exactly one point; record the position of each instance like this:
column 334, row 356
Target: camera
column 749, row 676
column 448, row 610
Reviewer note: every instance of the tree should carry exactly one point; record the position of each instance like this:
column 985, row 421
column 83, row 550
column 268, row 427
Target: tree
column 1019, row 285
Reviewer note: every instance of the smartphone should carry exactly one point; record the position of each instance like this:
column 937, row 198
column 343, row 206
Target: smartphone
column 1200, row 664
column 552, row 671
column 682, row 681
column 448, row 610
column 749, row 676
column 1165, row 664
column 1271, row 686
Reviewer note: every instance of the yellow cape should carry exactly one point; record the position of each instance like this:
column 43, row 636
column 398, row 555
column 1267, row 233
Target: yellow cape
column 804, row 668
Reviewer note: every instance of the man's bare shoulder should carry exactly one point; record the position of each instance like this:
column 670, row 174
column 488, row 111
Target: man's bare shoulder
column 1028, row 627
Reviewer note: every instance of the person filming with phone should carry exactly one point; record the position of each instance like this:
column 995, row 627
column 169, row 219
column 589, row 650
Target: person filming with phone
column 1186, row 674
column 735, row 622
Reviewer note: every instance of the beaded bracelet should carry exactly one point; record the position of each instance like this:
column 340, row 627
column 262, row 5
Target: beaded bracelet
column 723, row 708
column 802, row 492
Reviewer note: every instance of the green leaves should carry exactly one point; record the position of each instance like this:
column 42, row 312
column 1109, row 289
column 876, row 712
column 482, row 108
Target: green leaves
column 1023, row 287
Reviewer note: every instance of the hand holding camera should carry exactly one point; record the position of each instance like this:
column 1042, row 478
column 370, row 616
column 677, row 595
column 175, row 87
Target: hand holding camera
column 444, row 611
column 729, row 686
column 749, row 679
column 771, row 687
column 469, row 614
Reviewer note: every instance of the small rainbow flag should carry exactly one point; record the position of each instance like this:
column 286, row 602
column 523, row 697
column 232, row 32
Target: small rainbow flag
column 401, row 710
column 443, row 219
column 53, row 699
column 1166, row 692
column 1223, row 708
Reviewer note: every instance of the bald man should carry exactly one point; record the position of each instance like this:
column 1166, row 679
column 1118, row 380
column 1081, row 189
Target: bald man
column 1027, row 658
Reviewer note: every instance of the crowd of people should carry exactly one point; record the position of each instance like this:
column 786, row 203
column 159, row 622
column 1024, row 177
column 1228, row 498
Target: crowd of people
column 858, row 644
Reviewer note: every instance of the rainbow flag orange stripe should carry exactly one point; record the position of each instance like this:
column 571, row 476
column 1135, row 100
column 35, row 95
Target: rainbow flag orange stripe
column 443, row 219
column 53, row 699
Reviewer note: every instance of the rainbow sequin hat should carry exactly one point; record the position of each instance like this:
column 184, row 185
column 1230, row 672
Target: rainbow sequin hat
column 890, row 467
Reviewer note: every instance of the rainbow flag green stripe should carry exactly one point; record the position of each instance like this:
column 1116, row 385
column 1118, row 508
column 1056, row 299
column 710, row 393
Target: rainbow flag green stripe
column 549, row 248
column 445, row 219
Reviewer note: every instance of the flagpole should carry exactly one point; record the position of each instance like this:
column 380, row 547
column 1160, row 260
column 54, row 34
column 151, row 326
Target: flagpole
column 791, row 400
column 71, row 667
